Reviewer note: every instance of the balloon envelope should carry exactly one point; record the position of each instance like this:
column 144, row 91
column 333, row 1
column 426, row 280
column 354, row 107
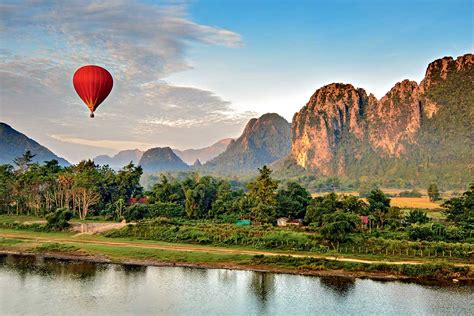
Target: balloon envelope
column 93, row 84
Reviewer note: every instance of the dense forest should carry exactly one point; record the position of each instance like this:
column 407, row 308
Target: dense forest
column 87, row 190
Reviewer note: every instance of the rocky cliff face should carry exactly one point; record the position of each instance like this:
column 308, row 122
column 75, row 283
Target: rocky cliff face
column 341, row 126
column 161, row 159
column 319, row 128
column 263, row 141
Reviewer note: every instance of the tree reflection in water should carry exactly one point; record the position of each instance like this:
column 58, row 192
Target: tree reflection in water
column 262, row 285
column 131, row 269
column 33, row 265
column 339, row 285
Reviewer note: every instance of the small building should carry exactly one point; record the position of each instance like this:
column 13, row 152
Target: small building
column 142, row 200
column 243, row 222
column 282, row 221
column 364, row 221
column 285, row 221
column 296, row 222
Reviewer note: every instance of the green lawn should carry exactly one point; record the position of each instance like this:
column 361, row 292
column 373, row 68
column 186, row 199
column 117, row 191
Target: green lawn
column 8, row 219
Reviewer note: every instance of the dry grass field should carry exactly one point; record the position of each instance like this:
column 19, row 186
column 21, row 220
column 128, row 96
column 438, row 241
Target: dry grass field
column 402, row 202
column 413, row 202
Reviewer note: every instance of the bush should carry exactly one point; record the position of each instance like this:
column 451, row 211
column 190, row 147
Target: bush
column 435, row 232
column 138, row 212
column 58, row 220
column 417, row 216
column 412, row 193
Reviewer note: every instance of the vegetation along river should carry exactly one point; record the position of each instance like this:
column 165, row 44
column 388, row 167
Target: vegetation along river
column 31, row 285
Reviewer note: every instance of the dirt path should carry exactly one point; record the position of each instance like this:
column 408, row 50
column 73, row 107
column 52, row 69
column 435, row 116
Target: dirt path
column 197, row 248
column 94, row 228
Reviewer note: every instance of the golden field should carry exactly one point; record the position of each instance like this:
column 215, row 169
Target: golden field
column 402, row 202
column 413, row 202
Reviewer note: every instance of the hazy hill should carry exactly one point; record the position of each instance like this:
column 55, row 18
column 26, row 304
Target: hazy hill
column 263, row 141
column 14, row 144
column 121, row 159
column 161, row 159
column 205, row 154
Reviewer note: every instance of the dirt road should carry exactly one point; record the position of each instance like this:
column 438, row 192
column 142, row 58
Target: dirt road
column 194, row 248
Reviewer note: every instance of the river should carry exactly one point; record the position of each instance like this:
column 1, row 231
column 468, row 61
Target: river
column 30, row 285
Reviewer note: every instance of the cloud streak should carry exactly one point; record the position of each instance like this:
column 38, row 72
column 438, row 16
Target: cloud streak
column 141, row 44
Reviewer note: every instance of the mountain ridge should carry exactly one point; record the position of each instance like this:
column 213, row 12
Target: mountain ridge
column 344, row 131
column 14, row 144
column 263, row 141
column 160, row 159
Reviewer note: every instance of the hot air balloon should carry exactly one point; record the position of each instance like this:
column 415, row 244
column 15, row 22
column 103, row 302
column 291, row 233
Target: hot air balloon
column 93, row 84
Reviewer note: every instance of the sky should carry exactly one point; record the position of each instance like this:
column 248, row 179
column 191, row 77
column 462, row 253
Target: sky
column 188, row 73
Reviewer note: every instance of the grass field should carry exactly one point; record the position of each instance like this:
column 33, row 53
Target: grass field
column 98, row 249
column 413, row 202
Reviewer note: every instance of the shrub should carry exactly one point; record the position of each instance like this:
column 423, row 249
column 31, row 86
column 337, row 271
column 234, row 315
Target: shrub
column 417, row 216
column 138, row 212
column 58, row 220
column 412, row 193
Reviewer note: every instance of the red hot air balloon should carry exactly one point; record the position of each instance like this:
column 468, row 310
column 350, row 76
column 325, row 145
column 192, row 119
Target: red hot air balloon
column 93, row 84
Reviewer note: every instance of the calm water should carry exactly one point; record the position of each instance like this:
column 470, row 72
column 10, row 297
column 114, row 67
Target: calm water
column 44, row 286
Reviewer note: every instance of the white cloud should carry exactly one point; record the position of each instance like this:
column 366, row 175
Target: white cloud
column 109, row 144
column 141, row 44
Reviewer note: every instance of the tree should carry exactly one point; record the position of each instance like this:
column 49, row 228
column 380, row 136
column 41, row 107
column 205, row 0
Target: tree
column 192, row 203
column 379, row 205
column 460, row 210
column 7, row 178
column 330, row 203
column 84, row 198
column 85, row 191
column 226, row 200
column 128, row 181
column 173, row 191
column 262, row 196
column 433, row 192
column 119, row 207
column 24, row 161
column 337, row 226
column 321, row 205
column 58, row 220
column 417, row 216
column 292, row 201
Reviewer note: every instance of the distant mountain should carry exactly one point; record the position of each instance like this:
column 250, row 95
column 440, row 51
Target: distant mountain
column 14, row 144
column 417, row 133
column 121, row 159
column 263, row 141
column 205, row 154
column 162, row 159
column 197, row 164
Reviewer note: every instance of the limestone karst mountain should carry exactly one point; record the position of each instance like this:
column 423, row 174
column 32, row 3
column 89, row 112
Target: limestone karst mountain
column 263, row 141
column 416, row 132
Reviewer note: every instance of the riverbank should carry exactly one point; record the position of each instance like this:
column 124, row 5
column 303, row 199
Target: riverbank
column 103, row 250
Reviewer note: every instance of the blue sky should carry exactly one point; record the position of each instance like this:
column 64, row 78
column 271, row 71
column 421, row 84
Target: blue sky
column 290, row 48
column 189, row 73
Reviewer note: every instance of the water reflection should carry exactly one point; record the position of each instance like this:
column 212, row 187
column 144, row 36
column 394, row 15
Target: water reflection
column 30, row 264
column 341, row 286
column 131, row 269
column 226, row 276
column 52, row 286
column 262, row 285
